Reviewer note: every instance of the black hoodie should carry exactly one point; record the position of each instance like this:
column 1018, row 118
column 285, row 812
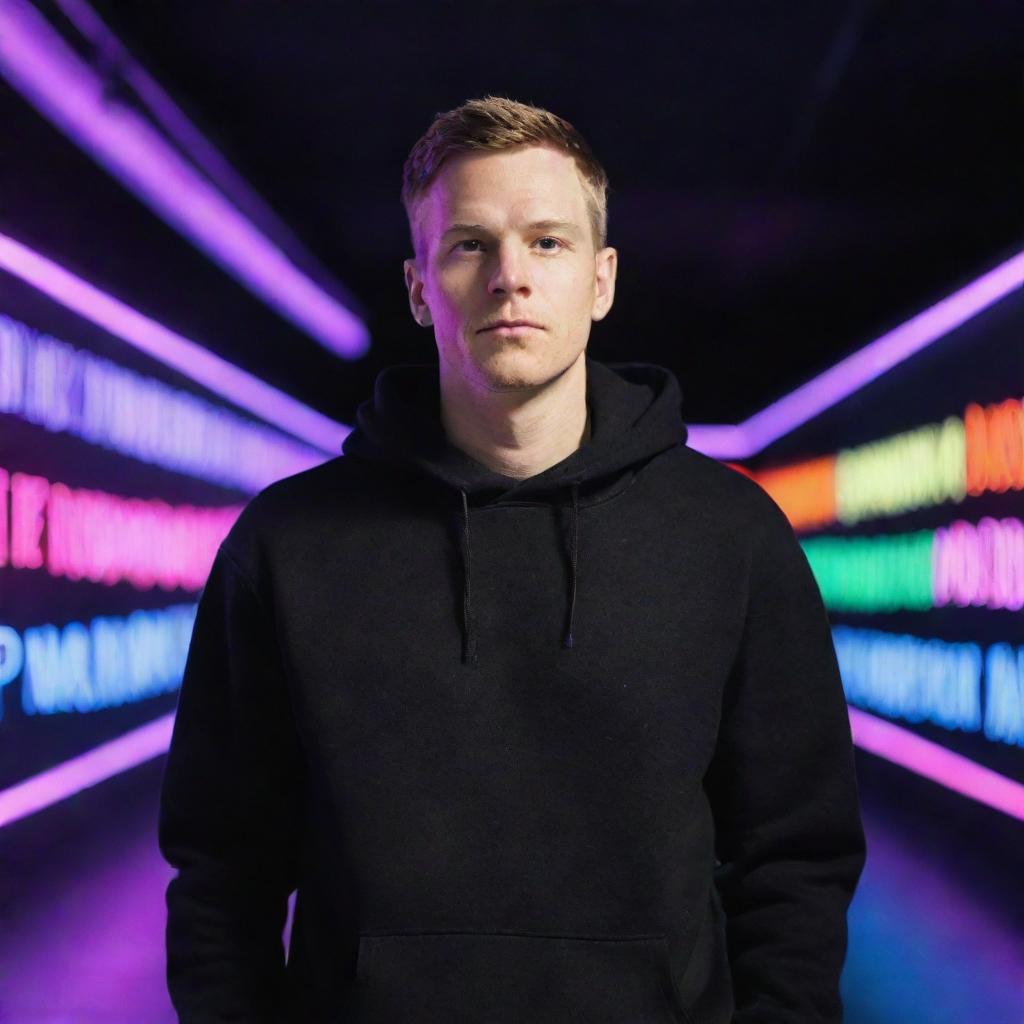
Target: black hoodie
column 568, row 748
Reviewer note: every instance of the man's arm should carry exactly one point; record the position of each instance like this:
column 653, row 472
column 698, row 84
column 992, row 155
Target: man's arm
column 230, row 811
column 784, row 795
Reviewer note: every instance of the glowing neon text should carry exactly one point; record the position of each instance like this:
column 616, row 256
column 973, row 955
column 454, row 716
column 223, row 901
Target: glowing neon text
column 932, row 680
column 60, row 388
column 104, row 538
column 109, row 662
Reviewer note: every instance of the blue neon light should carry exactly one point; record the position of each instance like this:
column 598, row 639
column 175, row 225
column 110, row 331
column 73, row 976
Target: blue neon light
column 932, row 680
column 11, row 659
column 1004, row 694
column 109, row 662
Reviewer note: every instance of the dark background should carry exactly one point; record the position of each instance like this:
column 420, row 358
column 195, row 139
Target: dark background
column 788, row 180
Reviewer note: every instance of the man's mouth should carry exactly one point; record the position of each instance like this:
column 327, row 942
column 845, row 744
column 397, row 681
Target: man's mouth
column 512, row 325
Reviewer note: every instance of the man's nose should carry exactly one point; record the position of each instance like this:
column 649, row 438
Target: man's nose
column 511, row 272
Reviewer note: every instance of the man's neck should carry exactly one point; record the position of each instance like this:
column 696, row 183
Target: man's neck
column 517, row 438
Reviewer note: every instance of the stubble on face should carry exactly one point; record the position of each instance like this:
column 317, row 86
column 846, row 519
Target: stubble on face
column 505, row 268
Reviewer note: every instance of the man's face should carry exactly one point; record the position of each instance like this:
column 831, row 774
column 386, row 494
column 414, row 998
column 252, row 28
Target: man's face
column 525, row 251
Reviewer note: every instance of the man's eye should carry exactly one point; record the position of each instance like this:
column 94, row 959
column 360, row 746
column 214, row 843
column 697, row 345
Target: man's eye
column 547, row 248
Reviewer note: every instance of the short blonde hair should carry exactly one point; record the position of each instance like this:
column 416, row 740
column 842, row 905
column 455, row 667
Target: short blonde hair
column 496, row 123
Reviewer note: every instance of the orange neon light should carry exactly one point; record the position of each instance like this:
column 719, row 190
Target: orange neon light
column 806, row 491
column 995, row 446
column 994, row 455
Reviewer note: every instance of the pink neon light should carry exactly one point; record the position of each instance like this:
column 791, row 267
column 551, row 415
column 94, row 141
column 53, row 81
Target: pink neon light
column 40, row 65
column 98, row 764
column 980, row 565
column 4, row 527
column 187, row 357
column 935, row 762
column 193, row 144
column 28, row 503
column 107, row 538
column 746, row 439
column 146, row 542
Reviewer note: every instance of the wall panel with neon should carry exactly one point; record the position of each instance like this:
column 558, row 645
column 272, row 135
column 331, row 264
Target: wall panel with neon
column 119, row 477
column 907, row 497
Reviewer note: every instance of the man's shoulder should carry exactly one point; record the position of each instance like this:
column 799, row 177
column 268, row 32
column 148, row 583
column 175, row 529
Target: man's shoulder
column 293, row 507
column 727, row 491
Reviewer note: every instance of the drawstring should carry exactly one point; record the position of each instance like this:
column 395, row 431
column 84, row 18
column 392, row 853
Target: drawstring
column 568, row 641
column 469, row 635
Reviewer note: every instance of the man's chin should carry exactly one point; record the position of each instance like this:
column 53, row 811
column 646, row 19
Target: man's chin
column 519, row 370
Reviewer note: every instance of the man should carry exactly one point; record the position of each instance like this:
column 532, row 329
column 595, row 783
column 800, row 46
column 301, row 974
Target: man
column 535, row 707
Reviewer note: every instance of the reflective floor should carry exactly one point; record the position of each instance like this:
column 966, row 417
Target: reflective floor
column 81, row 921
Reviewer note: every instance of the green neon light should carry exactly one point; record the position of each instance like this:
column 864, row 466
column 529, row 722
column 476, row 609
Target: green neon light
column 873, row 574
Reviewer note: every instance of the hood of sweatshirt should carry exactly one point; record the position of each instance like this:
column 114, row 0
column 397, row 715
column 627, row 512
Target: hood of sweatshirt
column 635, row 414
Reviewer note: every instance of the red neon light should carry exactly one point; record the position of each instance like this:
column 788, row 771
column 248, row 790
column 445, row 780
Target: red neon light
column 740, row 469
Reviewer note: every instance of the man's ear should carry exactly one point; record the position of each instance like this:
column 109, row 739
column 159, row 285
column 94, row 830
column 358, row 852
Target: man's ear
column 414, row 286
column 605, row 266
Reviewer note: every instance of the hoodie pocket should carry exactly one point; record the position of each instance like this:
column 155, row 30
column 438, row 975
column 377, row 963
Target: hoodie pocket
column 487, row 978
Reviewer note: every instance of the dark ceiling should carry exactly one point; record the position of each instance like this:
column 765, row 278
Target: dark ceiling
column 788, row 180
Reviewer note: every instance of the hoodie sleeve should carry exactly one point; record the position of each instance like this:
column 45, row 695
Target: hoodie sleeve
column 229, row 811
column 783, row 792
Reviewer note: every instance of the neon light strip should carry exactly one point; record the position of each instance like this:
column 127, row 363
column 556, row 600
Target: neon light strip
column 79, row 667
column 746, row 439
column 96, row 765
column 82, row 533
column 920, row 467
column 962, row 564
column 173, row 120
column 171, row 349
column 935, row 762
column 49, row 383
column 44, row 69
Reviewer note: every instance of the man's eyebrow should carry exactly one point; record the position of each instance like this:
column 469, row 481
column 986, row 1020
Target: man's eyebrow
column 537, row 225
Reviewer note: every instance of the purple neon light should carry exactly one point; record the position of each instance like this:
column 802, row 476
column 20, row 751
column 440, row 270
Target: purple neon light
column 40, row 65
column 935, row 762
column 174, row 122
column 187, row 357
column 102, row 762
column 738, row 441
column 746, row 439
